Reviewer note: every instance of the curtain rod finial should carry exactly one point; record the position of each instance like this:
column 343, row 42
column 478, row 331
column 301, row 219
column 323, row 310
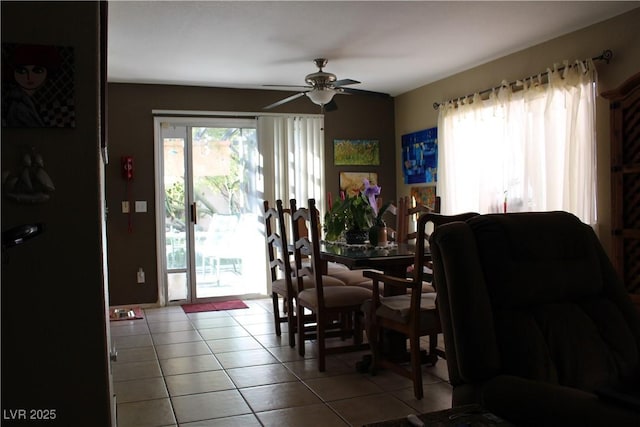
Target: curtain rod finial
column 436, row 105
column 607, row 54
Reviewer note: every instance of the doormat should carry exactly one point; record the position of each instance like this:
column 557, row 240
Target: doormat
column 214, row 306
column 130, row 313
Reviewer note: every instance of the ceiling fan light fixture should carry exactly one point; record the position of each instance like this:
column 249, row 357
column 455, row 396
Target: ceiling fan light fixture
column 321, row 96
column 321, row 86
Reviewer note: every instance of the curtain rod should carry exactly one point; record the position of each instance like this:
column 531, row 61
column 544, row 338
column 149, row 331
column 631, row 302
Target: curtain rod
column 606, row 56
column 218, row 114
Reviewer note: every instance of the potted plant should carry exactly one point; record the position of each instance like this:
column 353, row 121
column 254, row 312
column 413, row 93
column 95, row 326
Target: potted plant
column 352, row 217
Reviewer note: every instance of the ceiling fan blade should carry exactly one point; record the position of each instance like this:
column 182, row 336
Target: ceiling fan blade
column 344, row 82
column 284, row 101
column 288, row 86
column 364, row 92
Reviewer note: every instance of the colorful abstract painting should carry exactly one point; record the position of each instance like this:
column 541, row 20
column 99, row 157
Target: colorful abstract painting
column 420, row 156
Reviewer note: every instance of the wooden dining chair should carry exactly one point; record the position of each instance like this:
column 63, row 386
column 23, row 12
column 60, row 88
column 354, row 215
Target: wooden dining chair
column 339, row 271
column 282, row 267
column 413, row 314
column 325, row 302
column 280, row 271
column 407, row 215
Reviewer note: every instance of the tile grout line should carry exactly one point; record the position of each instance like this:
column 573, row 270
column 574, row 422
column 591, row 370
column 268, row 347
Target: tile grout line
column 255, row 414
column 164, row 377
column 236, row 388
column 299, row 379
column 280, row 354
column 303, row 382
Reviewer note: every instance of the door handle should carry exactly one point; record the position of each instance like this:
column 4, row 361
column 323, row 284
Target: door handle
column 194, row 216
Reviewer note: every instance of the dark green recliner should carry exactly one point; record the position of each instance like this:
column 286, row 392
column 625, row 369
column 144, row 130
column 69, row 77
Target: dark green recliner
column 535, row 321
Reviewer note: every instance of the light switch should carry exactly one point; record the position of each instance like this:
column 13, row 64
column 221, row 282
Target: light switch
column 125, row 207
column 141, row 205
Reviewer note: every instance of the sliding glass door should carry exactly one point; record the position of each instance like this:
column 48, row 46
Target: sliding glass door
column 212, row 237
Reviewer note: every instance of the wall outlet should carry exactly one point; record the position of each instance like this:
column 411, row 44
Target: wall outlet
column 140, row 275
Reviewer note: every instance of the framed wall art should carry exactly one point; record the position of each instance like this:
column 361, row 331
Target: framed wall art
column 353, row 182
column 38, row 86
column 348, row 152
column 420, row 156
column 425, row 195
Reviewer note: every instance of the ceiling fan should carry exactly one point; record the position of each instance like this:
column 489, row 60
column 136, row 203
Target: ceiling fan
column 322, row 86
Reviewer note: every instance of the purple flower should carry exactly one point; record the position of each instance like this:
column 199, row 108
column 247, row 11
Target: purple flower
column 371, row 192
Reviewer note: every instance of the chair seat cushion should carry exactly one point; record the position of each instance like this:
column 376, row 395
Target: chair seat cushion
column 280, row 285
column 368, row 284
column 397, row 309
column 335, row 296
column 326, row 281
column 336, row 267
column 352, row 277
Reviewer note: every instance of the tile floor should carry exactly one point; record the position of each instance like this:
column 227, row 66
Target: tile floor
column 228, row 368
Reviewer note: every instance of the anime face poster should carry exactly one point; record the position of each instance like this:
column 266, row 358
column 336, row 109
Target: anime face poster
column 37, row 86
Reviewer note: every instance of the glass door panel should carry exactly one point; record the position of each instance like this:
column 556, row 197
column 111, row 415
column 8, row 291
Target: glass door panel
column 213, row 234
column 176, row 220
column 223, row 170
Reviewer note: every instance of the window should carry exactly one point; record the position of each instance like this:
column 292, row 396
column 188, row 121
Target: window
column 295, row 159
column 526, row 150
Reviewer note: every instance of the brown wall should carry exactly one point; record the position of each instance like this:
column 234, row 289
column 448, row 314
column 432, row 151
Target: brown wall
column 53, row 317
column 54, row 352
column 131, row 133
column 414, row 109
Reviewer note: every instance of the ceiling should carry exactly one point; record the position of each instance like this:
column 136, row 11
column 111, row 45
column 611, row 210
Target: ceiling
column 389, row 46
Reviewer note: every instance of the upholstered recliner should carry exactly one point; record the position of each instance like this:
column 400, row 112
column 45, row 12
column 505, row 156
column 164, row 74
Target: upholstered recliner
column 535, row 321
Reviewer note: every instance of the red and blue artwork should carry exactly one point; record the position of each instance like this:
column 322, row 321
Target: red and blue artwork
column 420, row 156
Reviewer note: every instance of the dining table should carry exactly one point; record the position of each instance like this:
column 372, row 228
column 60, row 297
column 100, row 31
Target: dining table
column 392, row 260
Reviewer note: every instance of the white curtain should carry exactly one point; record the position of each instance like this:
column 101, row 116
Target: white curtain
column 531, row 149
column 293, row 158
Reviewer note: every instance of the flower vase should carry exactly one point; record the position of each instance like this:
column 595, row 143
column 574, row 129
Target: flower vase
column 382, row 236
column 378, row 235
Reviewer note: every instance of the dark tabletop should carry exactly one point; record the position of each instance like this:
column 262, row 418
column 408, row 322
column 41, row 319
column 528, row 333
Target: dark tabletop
column 393, row 257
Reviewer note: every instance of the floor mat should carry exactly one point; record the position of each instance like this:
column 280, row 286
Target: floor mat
column 125, row 313
column 214, row 306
